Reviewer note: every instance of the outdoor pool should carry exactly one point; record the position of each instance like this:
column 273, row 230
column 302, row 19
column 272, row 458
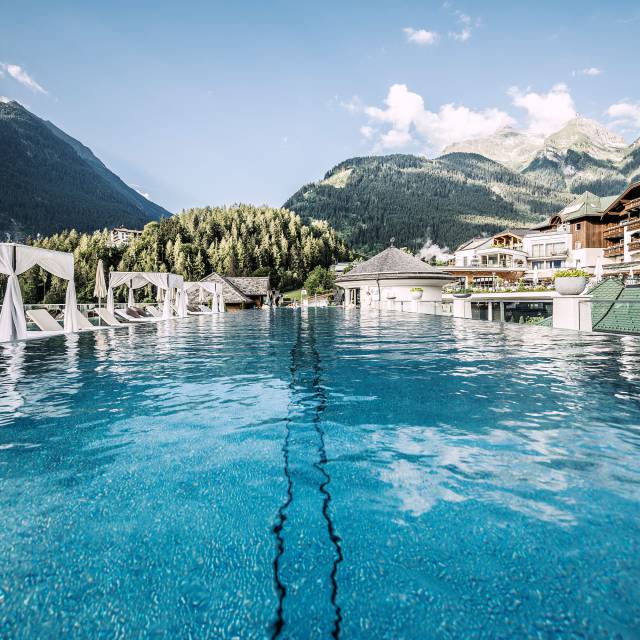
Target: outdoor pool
column 318, row 474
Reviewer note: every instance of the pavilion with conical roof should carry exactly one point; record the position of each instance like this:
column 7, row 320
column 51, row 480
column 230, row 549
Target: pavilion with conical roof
column 393, row 276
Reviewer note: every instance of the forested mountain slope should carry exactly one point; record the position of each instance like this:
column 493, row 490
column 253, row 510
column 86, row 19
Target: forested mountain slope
column 447, row 200
column 50, row 182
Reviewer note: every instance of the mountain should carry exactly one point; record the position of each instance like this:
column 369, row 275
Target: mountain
column 419, row 201
column 582, row 155
column 51, row 182
column 514, row 149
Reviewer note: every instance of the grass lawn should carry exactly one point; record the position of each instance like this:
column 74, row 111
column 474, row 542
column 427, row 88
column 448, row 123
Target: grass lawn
column 292, row 295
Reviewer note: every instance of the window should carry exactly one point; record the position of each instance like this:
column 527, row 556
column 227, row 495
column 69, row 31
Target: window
column 537, row 250
column 464, row 261
column 578, row 226
column 556, row 264
column 556, row 248
column 538, row 264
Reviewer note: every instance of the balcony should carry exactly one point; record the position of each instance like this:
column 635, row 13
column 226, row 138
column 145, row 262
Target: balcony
column 634, row 246
column 614, row 231
column 632, row 205
column 634, row 225
column 615, row 250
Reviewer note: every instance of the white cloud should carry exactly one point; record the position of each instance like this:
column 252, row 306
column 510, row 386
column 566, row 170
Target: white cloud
column 5, row 99
column 546, row 112
column 420, row 36
column 367, row 132
column 626, row 114
column 19, row 74
column 141, row 191
column 467, row 24
column 587, row 71
column 409, row 121
column 353, row 105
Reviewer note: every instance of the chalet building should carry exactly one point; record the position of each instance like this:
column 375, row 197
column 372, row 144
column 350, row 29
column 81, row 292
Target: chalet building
column 480, row 262
column 242, row 292
column 621, row 231
column 572, row 238
column 576, row 237
column 121, row 236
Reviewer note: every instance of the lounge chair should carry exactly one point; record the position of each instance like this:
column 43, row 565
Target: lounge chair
column 128, row 315
column 191, row 311
column 44, row 320
column 154, row 311
column 109, row 319
column 205, row 309
column 83, row 322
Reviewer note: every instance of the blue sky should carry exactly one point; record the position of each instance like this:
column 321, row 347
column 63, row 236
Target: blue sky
column 201, row 103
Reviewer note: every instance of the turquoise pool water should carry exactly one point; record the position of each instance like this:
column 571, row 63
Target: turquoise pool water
column 320, row 474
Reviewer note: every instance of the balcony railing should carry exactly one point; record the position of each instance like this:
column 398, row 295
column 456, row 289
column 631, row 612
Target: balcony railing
column 615, row 250
column 634, row 246
column 614, row 231
column 634, row 225
column 632, row 205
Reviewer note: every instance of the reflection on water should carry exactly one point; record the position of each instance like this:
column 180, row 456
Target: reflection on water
column 479, row 480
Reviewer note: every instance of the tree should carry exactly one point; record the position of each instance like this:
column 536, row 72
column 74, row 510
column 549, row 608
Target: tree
column 319, row 280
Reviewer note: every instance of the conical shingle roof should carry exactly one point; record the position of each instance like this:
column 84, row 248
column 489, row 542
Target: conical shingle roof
column 392, row 262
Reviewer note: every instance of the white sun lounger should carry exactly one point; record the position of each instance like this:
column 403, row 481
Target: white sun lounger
column 153, row 311
column 109, row 319
column 191, row 313
column 44, row 320
column 125, row 316
column 83, row 322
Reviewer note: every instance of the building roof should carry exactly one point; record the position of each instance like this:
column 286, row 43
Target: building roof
column 391, row 263
column 475, row 243
column 231, row 294
column 632, row 192
column 481, row 241
column 607, row 315
column 251, row 286
column 584, row 206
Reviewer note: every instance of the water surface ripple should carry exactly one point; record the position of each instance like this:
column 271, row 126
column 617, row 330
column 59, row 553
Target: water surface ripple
column 317, row 474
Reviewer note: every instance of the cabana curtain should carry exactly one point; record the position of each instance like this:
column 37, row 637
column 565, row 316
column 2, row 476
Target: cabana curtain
column 165, row 282
column 60, row 264
column 212, row 288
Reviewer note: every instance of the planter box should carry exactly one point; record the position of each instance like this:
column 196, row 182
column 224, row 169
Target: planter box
column 570, row 286
column 461, row 295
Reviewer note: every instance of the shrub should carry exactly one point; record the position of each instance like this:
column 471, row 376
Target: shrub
column 571, row 273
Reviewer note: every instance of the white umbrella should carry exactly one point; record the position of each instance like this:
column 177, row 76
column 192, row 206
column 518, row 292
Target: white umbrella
column 100, row 290
column 201, row 296
column 599, row 270
column 631, row 272
column 132, row 301
column 535, row 276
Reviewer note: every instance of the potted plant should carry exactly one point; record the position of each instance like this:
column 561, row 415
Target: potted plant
column 462, row 293
column 570, row 282
column 416, row 293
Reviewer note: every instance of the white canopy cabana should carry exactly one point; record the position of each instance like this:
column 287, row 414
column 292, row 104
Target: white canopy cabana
column 204, row 288
column 167, row 282
column 18, row 258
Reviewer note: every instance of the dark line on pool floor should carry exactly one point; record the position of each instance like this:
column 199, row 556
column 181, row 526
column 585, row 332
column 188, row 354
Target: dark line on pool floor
column 336, row 541
column 281, row 518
